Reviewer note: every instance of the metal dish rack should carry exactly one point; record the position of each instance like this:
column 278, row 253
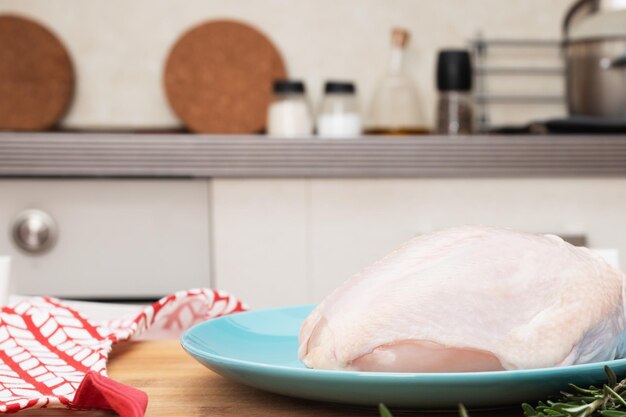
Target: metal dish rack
column 484, row 99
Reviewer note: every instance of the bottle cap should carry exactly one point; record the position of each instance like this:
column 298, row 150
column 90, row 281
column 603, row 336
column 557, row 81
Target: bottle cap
column 454, row 70
column 288, row 86
column 400, row 37
column 339, row 87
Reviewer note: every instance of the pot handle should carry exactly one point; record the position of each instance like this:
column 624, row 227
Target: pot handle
column 619, row 62
column 573, row 12
column 616, row 63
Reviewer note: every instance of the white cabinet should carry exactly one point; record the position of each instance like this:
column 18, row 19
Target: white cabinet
column 274, row 241
column 260, row 240
column 354, row 222
column 293, row 241
column 117, row 238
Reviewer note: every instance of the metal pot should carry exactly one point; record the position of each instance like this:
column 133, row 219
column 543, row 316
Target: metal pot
column 595, row 61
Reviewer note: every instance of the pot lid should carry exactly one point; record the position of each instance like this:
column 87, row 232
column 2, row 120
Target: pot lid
column 600, row 25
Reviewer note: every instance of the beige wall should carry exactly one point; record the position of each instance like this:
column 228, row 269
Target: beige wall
column 119, row 46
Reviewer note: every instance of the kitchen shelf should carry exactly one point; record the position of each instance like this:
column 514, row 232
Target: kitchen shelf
column 117, row 155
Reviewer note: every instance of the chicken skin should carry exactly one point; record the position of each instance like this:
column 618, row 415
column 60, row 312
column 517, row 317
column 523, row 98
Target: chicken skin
column 468, row 299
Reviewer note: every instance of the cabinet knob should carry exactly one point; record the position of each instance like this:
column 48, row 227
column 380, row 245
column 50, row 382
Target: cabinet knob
column 34, row 231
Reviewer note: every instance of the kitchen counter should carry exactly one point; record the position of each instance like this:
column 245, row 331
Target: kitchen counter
column 177, row 385
column 85, row 155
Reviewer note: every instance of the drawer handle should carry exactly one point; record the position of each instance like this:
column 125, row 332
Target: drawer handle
column 34, row 231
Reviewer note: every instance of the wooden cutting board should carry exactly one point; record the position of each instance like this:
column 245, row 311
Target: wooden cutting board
column 218, row 77
column 36, row 76
column 178, row 386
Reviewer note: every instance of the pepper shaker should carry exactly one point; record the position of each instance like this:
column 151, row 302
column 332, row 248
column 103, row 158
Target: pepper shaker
column 454, row 82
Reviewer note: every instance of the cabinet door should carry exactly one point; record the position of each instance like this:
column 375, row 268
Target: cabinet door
column 116, row 238
column 355, row 222
column 260, row 240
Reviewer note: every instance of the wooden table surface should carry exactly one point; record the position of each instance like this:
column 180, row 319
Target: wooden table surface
column 179, row 386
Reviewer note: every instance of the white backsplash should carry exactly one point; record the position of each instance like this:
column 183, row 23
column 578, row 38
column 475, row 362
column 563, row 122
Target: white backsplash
column 119, row 46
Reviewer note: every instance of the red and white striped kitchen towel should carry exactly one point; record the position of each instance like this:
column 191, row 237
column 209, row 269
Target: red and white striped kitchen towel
column 52, row 356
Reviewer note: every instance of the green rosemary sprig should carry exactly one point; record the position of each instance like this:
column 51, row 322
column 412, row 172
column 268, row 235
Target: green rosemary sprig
column 584, row 402
column 384, row 411
column 607, row 401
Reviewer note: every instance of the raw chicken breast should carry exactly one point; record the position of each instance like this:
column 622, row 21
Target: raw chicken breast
column 471, row 299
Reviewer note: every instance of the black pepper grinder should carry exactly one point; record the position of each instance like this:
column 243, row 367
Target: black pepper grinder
column 454, row 82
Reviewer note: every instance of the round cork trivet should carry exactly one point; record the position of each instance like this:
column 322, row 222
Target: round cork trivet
column 36, row 76
column 219, row 75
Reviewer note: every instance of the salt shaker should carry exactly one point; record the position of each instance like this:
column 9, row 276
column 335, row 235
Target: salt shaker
column 339, row 115
column 454, row 82
column 289, row 115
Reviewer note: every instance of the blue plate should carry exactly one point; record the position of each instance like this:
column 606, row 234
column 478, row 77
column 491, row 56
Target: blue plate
column 259, row 349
